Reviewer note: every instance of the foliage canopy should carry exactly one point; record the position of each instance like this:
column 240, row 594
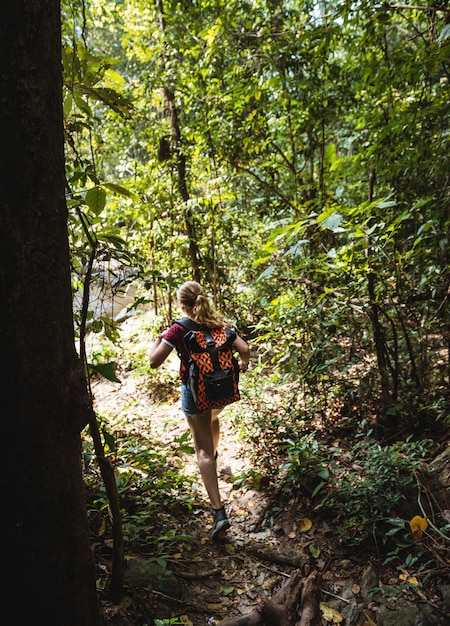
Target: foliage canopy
column 292, row 156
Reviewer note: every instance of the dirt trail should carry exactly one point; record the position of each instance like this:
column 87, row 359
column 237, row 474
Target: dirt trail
column 225, row 579
column 130, row 403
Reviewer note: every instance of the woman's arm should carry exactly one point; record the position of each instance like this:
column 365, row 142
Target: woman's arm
column 159, row 352
column 243, row 348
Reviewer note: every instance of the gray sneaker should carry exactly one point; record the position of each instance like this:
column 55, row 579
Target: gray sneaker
column 221, row 524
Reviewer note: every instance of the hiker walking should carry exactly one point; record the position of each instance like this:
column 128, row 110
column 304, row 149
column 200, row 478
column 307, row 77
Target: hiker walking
column 203, row 327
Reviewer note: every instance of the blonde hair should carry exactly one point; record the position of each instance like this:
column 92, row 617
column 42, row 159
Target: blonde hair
column 193, row 296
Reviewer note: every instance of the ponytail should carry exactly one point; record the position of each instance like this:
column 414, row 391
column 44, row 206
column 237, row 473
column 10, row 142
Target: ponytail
column 192, row 295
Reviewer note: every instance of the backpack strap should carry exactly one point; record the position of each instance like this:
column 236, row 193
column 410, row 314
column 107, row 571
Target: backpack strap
column 188, row 324
column 211, row 347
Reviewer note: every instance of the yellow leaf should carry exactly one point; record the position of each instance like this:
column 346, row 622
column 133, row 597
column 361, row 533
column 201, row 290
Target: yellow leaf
column 305, row 525
column 418, row 522
column 178, row 555
column 417, row 525
column 102, row 529
column 329, row 614
column 409, row 579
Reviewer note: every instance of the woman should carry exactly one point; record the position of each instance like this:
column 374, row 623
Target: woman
column 204, row 425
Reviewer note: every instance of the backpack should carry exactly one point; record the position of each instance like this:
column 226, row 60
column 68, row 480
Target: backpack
column 213, row 368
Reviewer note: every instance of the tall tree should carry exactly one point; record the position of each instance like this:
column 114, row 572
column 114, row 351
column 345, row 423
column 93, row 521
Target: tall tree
column 43, row 394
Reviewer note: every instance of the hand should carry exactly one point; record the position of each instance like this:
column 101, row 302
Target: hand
column 243, row 367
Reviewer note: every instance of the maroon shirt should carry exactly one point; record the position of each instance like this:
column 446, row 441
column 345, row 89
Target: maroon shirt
column 173, row 336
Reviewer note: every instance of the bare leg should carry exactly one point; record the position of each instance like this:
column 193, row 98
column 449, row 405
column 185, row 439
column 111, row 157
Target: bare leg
column 202, row 431
column 215, row 427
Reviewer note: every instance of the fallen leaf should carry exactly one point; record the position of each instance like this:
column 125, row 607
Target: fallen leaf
column 409, row 579
column 305, row 525
column 314, row 550
column 225, row 591
column 417, row 525
column 329, row 614
column 356, row 589
column 369, row 621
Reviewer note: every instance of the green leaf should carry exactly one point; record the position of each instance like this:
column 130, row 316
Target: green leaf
column 445, row 34
column 106, row 370
column 112, row 238
column 121, row 191
column 109, row 440
column 332, row 222
column 314, row 551
column 266, row 274
column 96, row 199
column 225, row 591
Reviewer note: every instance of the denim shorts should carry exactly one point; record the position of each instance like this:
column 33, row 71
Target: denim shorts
column 188, row 405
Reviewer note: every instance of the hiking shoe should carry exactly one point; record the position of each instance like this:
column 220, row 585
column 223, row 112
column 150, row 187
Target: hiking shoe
column 221, row 524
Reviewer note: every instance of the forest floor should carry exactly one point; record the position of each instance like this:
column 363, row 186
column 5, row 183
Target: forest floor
column 209, row 583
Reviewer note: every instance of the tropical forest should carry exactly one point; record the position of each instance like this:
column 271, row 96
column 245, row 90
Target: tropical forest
column 291, row 156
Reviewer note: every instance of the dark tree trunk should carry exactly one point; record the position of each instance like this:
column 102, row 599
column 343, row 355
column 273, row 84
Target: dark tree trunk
column 377, row 328
column 48, row 567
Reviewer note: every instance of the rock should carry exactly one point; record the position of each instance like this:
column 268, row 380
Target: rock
column 406, row 613
column 369, row 580
column 438, row 479
column 141, row 572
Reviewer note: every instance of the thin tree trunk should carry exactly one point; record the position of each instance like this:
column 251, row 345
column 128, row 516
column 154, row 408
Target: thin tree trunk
column 377, row 329
column 180, row 161
column 106, row 468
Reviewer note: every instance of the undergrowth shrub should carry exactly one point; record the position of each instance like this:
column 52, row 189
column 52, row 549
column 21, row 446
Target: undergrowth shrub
column 277, row 427
column 369, row 484
column 361, row 488
column 151, row 485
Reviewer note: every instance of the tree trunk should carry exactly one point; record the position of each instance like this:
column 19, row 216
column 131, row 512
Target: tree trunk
column 46, row 554
column 180, row 159
column 377, row 329
column 180, row 162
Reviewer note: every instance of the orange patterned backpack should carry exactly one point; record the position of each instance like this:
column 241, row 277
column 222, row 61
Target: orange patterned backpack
column 213, row 368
